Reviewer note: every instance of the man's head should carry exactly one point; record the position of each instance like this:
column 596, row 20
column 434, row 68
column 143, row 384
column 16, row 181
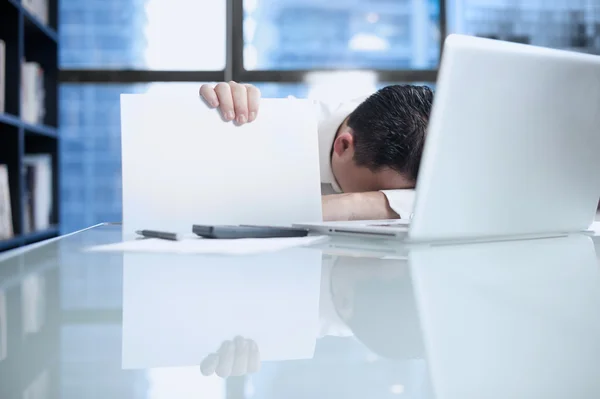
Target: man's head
column 380, row 144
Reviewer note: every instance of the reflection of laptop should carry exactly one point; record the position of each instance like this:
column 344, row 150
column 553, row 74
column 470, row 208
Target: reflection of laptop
column 520, row 318
column 512, row 147
column 361, row 246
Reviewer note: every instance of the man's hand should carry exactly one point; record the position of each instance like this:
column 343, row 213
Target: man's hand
column 234, row 358
column 235, row 101
column 357, row 206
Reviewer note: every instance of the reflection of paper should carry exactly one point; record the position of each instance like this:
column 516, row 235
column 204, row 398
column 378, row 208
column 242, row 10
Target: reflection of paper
column 3, row 326
column 209, row 246
column 519, row 318
column 178, row 309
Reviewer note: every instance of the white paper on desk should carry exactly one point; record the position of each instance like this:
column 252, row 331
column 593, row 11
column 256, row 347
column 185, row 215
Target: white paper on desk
column 183, row 165
column 178, row 309
column 197, row 245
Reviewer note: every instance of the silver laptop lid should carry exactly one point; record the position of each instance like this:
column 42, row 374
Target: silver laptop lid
column 513, row 143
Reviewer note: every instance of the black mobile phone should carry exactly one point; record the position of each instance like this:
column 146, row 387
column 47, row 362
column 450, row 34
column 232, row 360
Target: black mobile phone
column 245, row 231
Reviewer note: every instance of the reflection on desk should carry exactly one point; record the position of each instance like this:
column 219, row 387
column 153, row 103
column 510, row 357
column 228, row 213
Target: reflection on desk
column 512, row 319
column 283, row 302
column 185, row 309
column 494, row 320
column 482, row 307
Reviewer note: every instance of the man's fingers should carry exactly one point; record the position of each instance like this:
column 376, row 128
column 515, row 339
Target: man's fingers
column 240, row 102
column 209, row 364
column 208, row 94
column 226, row 354
column 240, row 362
column 253, row 102
column 253, row 357
column 223, row 91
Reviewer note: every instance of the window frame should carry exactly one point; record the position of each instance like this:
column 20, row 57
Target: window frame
column 234, row 63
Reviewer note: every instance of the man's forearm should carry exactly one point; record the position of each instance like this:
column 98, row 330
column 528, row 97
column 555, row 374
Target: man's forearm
column 357, row 206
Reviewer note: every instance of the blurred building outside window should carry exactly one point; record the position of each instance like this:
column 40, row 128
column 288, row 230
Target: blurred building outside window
column 341, row 34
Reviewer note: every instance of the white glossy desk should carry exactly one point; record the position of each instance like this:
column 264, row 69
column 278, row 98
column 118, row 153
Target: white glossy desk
column 346, row 319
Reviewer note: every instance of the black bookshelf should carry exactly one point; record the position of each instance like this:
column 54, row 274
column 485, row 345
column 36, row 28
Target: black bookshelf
column 28, row 38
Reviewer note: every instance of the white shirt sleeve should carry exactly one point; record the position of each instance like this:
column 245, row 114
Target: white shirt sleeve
column 401, row 201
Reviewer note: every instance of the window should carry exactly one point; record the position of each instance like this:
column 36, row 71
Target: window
column 573, row 25
column 142, row 34
column 338, row 34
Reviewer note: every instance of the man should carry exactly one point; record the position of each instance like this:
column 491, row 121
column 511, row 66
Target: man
column 370, row 149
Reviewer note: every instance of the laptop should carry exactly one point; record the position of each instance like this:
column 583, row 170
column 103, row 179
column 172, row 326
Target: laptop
column 513, row 147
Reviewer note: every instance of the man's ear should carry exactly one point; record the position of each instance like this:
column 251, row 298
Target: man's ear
column 344, row 144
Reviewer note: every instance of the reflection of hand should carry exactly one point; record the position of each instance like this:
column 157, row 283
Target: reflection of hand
column 234, row 358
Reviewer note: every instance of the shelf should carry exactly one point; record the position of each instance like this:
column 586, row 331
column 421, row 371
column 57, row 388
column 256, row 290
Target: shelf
column 28, row 38
column 9, row 119
column 42, row 130
column 33, row 20
column 29, row 238
column 40, row 235
column 11, row 243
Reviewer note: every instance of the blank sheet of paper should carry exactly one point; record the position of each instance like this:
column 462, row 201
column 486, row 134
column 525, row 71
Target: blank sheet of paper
column 178, row 309
column 183, row 165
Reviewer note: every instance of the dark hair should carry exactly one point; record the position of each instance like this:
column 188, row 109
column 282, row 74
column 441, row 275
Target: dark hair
column 389, row 128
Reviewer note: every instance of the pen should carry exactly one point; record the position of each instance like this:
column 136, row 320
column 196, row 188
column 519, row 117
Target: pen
column 158, row 234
